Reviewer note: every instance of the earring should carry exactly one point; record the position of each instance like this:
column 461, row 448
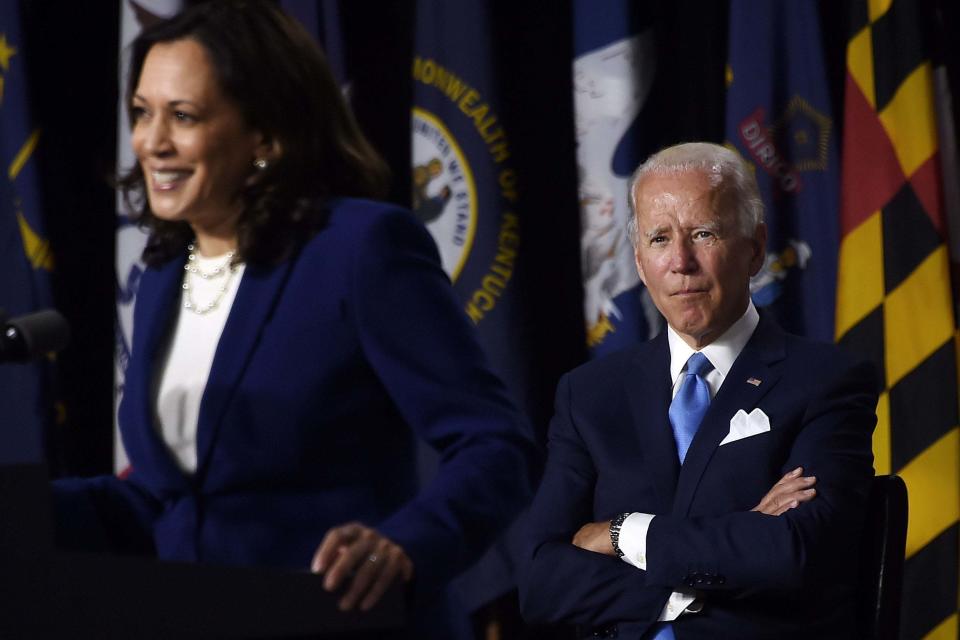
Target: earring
column 261, row 163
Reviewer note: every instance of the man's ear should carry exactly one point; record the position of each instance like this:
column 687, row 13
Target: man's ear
column 759, row 242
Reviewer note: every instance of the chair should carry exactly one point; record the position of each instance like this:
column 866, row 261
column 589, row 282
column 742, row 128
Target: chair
column 881, row 560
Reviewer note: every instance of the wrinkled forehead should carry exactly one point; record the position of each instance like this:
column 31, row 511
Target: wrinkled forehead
column 677, row 195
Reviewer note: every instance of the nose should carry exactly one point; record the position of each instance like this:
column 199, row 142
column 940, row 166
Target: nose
column 152, row 136
column 683, row 258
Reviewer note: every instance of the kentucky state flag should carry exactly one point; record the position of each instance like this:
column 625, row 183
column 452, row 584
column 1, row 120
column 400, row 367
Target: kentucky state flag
column 25, row 258
column 613, row 70
column 779, row 119
column 465, row 189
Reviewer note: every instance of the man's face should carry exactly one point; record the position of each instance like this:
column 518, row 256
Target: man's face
column 692, row 255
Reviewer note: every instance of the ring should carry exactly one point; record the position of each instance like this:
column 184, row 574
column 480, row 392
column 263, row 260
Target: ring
column 373, row 557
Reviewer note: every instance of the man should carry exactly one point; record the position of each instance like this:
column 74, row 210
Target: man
column 674, row 503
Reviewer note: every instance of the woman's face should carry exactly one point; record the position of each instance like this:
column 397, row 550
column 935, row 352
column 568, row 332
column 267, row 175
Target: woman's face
column 191, row 141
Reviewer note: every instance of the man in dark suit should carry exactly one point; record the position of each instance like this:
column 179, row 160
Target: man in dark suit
column 678, row 499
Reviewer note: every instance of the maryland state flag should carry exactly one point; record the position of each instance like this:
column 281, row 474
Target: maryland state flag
column 613, row 72
column 779, row 119
column 893, row 299
column 25, row 258
column 465, row 190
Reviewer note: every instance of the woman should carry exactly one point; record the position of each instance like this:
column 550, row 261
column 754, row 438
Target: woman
column 290, row 341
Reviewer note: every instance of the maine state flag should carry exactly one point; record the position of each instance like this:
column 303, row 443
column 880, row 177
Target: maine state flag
column 779, row 119
column 25, row 257
column 613, row 71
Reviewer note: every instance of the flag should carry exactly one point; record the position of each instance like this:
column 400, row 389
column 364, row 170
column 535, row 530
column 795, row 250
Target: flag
column 893, row 293
column 135, row 15
column 779, row 119
column 25, row 393
column 465, row 190
column 613, row 70
column 322, row 20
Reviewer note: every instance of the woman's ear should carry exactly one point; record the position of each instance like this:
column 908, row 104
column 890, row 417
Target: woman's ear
column 268, row 150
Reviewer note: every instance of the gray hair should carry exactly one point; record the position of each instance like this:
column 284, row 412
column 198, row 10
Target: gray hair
column 725, row 170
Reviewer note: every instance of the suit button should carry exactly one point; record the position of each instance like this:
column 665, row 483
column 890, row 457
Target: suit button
column 721, row 580
column 689, row 582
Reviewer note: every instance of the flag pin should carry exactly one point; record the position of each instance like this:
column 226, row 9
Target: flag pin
column 754, row 381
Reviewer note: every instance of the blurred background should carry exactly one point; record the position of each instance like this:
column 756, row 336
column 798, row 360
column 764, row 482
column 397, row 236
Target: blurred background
column 511, row 128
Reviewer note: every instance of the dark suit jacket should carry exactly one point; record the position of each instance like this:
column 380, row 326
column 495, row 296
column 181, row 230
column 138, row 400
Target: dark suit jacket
column 611, row 450
column 329, row 367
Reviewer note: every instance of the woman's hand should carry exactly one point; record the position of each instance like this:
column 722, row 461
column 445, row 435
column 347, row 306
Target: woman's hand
column 788, row 493
column 363, row 558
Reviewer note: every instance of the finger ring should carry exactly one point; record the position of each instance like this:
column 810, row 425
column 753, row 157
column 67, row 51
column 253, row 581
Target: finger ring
column 373, row 557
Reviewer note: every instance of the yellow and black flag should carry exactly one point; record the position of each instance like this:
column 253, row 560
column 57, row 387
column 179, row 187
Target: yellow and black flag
column 893, row 298
column 25, row 258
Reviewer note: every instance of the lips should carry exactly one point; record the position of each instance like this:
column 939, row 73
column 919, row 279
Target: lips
column 167, row 179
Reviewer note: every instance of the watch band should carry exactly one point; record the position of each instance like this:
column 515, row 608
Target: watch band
column 615, row 525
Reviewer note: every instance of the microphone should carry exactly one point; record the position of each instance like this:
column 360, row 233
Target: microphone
column 32, row 335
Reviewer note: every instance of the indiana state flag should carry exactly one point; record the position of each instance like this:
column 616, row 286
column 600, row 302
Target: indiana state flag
column 779, row 119
column 613, row 71
column 25, row 257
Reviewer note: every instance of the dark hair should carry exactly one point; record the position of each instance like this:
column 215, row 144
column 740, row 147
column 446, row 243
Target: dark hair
column 274, row 72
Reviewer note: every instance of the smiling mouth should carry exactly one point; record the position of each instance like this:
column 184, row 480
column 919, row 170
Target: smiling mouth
column 163, row 180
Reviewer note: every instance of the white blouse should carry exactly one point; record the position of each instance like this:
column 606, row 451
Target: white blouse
column 183, row 370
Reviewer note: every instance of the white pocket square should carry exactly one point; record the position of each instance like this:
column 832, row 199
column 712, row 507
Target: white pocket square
column 743, row 425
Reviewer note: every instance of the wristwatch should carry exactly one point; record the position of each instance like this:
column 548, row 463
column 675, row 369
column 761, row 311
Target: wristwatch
column 615, row 525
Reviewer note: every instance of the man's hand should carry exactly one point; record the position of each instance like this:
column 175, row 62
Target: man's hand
column 788, row 493
column 595, row 536
column 364, row 559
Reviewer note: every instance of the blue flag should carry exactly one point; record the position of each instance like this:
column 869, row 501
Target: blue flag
column 779, row 119
column 613, row 71
column 25, row 401
column 465, row 190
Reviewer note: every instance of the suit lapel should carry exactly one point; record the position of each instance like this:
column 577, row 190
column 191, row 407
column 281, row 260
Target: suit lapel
column 157, row 306
column 758, row 360
column 648, row 390
column 252, row 307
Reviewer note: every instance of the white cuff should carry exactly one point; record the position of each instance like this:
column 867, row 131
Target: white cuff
column 633, row 539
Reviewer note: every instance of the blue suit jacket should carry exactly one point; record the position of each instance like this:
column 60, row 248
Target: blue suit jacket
column 611, row 450
column 329, row 367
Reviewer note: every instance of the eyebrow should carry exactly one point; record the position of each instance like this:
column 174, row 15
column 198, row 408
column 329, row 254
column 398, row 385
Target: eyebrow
column 172, row 103
column 710, row 226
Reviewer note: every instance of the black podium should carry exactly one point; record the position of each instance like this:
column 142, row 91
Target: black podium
column 46, row 593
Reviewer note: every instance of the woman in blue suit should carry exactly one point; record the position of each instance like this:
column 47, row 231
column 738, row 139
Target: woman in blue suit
column 291, row 341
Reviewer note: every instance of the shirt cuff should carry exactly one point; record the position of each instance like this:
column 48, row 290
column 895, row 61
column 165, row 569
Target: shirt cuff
column 633, row 539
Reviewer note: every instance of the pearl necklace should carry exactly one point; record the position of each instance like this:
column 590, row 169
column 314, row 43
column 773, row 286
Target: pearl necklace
column 192, row 271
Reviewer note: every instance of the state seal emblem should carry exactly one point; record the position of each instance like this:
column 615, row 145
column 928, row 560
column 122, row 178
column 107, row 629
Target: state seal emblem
column 444, row 192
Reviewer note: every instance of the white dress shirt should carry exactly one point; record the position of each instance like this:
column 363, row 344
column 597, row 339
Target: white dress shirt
column 721, row 353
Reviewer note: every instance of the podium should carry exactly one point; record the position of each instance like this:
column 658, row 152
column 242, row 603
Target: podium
column 46, row 593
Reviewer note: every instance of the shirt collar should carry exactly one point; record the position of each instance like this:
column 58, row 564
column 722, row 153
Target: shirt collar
column 722, row 352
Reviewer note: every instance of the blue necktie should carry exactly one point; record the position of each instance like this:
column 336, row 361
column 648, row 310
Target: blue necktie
column 690, row 403
column 686, row 413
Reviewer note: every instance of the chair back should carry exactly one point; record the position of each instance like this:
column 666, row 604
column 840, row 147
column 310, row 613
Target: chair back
column 882, row 550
